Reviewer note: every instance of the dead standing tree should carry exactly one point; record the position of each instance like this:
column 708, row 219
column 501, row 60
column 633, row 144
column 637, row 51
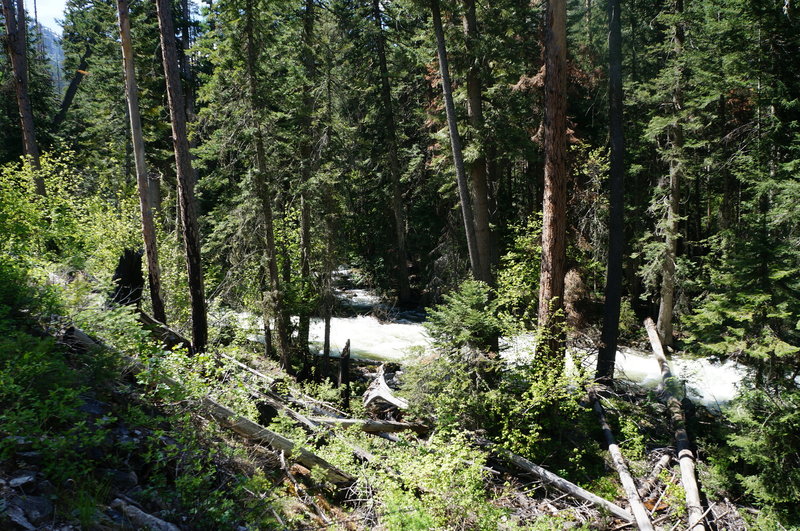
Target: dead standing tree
column 142, row 178
column 185, row 176
column 455, row 143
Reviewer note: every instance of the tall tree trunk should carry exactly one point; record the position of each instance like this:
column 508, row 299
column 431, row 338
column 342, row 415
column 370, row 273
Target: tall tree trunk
column 667, row 304
column 154, row 192
column 455, row 143
column 72, row 89
column 589, row 22
column 727, row 219
column 616, row 240
column 16, row 45
column 185, row 176
column 187, row 75
column 551, row 280
column 274, row 300
column 478, row 168
column 403, row 288
column 142, row 177
column 329, row 237
column 38, row 28
column 186, row 66
column 306, row 172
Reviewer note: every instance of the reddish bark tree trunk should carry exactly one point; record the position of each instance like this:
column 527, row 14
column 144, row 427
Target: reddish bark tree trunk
column 551, row 280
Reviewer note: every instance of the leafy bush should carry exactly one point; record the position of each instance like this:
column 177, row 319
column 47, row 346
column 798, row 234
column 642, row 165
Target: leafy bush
column 531, row 407
column 539, row 415
column 449, row 385
column 39, row 390
column 448, row 392
column 440, row 483
column 70, row 228
column 518, row 276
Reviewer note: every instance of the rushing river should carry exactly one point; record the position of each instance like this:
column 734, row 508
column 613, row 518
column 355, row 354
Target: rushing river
column 400, row 336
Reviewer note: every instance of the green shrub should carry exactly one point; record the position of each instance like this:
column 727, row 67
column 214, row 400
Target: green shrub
column 39, row 390
column 518, row 275
column 466, row 319
column 448, row 392
column 448, row 384
column 539, row 415
column 447, row 479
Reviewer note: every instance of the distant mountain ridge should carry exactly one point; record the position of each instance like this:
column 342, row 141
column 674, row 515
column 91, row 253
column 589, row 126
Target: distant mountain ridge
column 51, row 45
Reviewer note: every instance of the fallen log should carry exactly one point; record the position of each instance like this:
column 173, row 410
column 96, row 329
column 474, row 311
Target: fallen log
column 379, row 391
column 372, row 426
column 647, row 485
column 169, row 337
column 250, row 429
column 277, row 442
column 275, row 402
column 558, row 482
column 686, row 458
column 322, row 409
column 297, row 398
column 302, row 495
column 172, row 339
column 140, row 519
column 629, row 486
column 311, row 425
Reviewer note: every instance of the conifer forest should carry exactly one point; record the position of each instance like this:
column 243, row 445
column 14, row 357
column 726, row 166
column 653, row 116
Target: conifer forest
column 400, row 265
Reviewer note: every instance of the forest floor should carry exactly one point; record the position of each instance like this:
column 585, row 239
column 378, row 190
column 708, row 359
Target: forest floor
column 149, row 461
column 112, row 433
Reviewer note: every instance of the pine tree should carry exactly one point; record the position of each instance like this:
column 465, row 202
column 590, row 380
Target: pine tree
column 398, row 209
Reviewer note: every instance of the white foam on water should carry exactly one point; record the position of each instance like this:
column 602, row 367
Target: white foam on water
column 712, row 383
column 369, row 337
column 358, row 297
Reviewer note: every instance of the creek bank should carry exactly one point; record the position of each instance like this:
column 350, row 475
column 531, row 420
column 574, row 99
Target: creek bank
column 379, row 332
